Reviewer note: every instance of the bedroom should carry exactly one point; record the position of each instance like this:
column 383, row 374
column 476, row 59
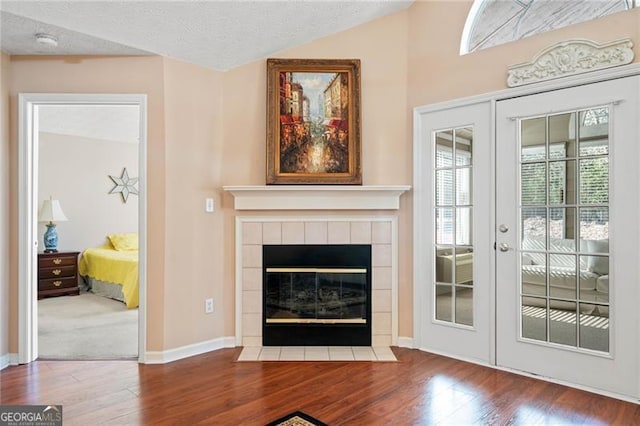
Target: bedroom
column 87, row 155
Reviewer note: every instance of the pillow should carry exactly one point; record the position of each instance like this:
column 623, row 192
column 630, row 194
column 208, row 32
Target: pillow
column 124, row 242
column 599, row 264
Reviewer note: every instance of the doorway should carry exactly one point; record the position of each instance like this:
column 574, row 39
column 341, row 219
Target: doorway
column 555, row 294
column 31, row 106
column 81, row 149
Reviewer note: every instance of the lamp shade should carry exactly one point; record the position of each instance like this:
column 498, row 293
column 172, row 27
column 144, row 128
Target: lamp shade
column 50, row 211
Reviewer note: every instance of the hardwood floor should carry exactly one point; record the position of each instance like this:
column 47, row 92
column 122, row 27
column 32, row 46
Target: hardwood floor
column 420, row 388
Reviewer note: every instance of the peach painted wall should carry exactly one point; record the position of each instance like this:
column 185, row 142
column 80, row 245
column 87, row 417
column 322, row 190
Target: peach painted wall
column 438, row 73
column 4, row 202
column 101, row 75
column 194, row 255
column 386, row 150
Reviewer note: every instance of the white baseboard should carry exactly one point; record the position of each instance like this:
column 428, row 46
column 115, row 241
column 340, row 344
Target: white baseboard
column 4, row 361
column 170, row 355
column 405, row 342
column 7, row 360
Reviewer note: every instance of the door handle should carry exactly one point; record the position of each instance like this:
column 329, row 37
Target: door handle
column 504, row 247
column 503, row 228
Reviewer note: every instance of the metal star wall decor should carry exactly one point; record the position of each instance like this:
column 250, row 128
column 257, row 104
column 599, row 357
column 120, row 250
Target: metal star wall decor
column 124, row 185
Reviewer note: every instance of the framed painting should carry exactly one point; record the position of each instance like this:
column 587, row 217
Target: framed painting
column 313, row 121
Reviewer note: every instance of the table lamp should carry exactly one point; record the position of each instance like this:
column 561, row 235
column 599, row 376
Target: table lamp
column 51, row 212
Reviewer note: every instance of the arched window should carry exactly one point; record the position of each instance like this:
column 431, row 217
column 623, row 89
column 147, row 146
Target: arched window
column 493, row 22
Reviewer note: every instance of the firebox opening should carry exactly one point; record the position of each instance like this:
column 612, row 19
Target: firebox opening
column 317, row 295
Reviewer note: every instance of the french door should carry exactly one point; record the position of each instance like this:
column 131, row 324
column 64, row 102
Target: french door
column 452, row 196
column 567, row 235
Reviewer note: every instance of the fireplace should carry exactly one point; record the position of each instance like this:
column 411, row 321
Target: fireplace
column 316, row 295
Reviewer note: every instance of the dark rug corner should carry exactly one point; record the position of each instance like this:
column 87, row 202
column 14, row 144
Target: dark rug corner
column 297, row 418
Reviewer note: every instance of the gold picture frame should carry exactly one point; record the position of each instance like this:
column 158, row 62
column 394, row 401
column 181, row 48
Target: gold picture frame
column 313, row 121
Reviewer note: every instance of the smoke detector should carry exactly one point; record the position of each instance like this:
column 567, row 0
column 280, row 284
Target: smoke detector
column 46, row 39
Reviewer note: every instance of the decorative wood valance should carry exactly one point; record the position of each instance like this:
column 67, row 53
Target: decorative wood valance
column 569, row 58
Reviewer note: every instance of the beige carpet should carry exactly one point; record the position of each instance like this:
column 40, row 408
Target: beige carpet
column 86, row 327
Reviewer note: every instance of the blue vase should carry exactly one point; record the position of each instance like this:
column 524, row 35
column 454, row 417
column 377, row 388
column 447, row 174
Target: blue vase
column 51, row 238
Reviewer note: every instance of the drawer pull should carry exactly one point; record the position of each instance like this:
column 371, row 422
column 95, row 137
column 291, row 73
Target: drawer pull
column 57, row 261
column 56, row 271
column 57, row 283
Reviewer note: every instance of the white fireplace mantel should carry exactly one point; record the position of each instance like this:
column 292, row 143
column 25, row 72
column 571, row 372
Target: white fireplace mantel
column 317, row 197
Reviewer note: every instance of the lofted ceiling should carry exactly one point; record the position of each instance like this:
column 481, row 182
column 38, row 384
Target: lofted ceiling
column 215, row 34
column 222, row 35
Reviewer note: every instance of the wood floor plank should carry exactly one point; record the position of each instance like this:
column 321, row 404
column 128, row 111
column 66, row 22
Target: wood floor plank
column 213, row 388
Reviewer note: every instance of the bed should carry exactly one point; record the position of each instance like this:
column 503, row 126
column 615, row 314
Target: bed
column 111, row 270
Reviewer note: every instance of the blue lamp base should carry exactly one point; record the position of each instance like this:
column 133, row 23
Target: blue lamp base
column 51, row 238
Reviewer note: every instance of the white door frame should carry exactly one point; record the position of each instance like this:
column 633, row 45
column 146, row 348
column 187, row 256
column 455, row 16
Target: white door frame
column 421, row 274
column 28, row 210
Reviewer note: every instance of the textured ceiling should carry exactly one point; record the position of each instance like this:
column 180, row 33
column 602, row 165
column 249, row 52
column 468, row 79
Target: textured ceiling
column 120, row 123
column 215, row 34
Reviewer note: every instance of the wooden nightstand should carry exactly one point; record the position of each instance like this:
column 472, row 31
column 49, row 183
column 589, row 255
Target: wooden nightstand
column 58, row 274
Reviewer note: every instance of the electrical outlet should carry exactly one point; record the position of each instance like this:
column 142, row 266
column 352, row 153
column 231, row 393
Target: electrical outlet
column 208, row 306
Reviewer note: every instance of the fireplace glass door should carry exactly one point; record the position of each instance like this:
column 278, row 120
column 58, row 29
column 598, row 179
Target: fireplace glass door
column 316, row 295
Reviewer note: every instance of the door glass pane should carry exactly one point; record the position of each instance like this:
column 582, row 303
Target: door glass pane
column 533, row 178
column 444, row 226
column 562, row 182
column 444, row 302
column 534, row 318
column 594, row 327
column 594, row 278
column 464, row 266
column 594, row 180
column 562, row 323
column 562, row 225
column 464, row 231
column 463, row 186
column 534, row 274
column 464, row 142
column 464, row 305
column 594, row 226
column 534, row 228
column 444, row 149
column 562, row 276
column 533, row 139
column 594, row 131
column 444, row 187
column 565, row 229
column 444, row 265
column 562, row 135
column 454, row 226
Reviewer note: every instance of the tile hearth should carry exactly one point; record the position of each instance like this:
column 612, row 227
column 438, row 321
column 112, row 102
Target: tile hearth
column 316, row 353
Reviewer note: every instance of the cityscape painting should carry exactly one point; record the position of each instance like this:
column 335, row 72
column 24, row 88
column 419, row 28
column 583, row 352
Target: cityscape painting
column 313, row 121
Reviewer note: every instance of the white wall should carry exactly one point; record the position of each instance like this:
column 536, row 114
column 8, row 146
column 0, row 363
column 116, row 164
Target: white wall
column 76, row 170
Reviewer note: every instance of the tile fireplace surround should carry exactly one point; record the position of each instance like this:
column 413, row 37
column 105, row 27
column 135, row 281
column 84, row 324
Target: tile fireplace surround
column 308, row 227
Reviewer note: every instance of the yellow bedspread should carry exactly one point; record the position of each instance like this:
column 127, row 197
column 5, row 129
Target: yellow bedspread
column 120, row 267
